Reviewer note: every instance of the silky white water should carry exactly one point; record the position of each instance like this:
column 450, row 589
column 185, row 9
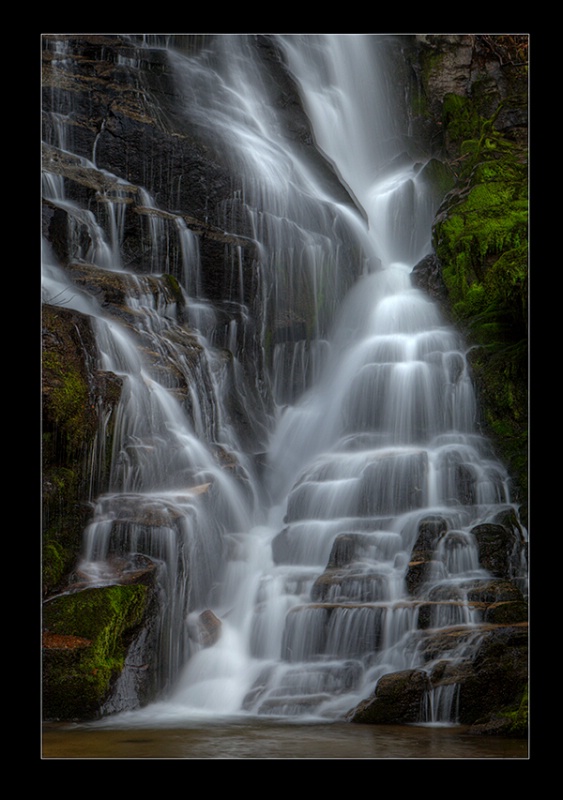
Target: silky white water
column 374, row 417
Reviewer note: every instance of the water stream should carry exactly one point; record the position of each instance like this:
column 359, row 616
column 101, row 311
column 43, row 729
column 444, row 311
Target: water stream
column 370, row 420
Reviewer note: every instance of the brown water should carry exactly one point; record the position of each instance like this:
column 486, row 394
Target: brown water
column 254, row 740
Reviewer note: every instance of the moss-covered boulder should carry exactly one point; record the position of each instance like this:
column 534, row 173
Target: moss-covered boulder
column 86, row 635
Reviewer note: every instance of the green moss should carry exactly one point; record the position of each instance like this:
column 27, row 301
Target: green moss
column 489, row 223
column 174, row 294
column 518, row 718
column 76, row 451
column 78, row 679
column 68, row 401
column 54, row 563
column 460, row 120
column 428, row 60
column 501, row 376
column 64, row 518
column 485, row 218
column 439, row 179
column 89, row 612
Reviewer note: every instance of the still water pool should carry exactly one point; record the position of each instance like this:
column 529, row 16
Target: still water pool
column 252, row 740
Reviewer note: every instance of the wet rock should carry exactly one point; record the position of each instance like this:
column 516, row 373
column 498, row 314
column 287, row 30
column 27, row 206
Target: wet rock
column 76, row 395
column 397, row 699
column 507, row 613
column 495, row 601
column 417, row 575
column 436, row 614
column 207, row 628
column 493, row 591
column 499, row 675
column 338, row 585
column 349, row 547
column 489, row 680
column 427, row 275
column 422, row 565
column 122, row 570
column 499, row 549
column 430, row 531
column 285, row 547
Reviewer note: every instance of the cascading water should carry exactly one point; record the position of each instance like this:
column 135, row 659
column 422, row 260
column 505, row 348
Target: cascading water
column 374, row 423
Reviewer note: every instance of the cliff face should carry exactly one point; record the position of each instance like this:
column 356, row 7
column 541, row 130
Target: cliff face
column 106, row 88
column 470, row 103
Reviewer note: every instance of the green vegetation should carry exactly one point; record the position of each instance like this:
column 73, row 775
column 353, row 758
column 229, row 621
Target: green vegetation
column 70, row 425
column 460, row 119
column 518, row 719
column 69, row 400
column 481, row 239
column 68, row 429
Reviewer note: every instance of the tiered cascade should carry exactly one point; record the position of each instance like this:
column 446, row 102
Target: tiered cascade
column 367, row 423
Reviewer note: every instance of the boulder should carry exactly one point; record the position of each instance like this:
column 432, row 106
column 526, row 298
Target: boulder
column 499, row 549
column 87, row 635
column 208, row 628
column 397, row 699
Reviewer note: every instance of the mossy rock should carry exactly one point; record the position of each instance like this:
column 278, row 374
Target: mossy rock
column 86, row 636
column 515, row 721
column 75, row 396
column 481, row 233
column 500, row 375
column 481, row 241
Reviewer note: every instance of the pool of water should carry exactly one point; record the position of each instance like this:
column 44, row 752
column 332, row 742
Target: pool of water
column 255, row 740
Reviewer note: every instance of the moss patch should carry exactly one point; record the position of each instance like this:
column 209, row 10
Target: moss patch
column 517, row 720
column 68, row 399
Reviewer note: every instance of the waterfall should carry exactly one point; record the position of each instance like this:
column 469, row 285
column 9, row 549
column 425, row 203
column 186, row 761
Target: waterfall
column 371, row 426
